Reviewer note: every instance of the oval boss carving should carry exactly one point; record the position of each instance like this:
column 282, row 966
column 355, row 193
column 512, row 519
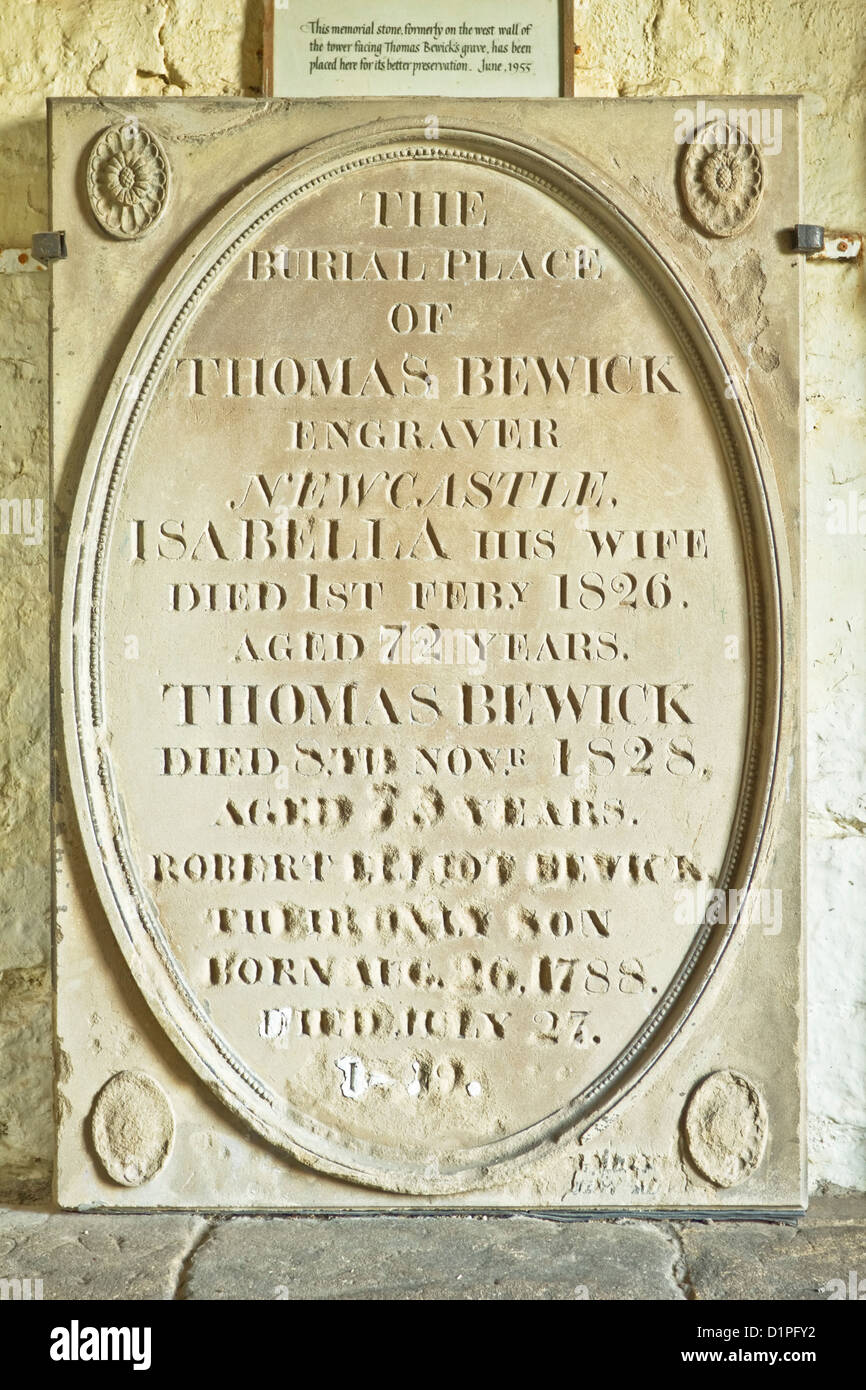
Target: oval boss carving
column 127, row 180
column 421, row 493
column 725, row 1124
column 722, row 179
column 132, row 1127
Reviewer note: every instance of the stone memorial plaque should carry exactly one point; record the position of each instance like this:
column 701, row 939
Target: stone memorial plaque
column 355, row 48
column 428, row 753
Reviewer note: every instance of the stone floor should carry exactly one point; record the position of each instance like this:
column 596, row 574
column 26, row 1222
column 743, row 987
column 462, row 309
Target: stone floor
column 87, row 1256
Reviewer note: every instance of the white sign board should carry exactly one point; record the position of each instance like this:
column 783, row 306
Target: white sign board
column 439, row 48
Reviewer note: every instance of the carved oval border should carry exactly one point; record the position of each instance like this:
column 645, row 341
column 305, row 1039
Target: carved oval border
column 99, row 802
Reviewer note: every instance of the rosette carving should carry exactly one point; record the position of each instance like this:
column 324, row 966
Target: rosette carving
column 127, row 180
column 722, row 180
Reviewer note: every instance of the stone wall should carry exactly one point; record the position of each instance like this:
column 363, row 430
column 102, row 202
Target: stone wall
column 624, row 48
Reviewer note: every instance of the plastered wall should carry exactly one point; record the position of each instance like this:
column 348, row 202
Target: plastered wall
column 624, row 48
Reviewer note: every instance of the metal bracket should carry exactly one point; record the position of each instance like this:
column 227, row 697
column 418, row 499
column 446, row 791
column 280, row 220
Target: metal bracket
column 49, row 246
column 817, row 244
column 808, row 237
column 45, row 248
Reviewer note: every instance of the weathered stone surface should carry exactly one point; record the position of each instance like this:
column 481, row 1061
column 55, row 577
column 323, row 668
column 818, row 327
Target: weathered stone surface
column 132, row 1127
column 26, row 1185
column 387, row 1258
column 25, row 1096
column 725, row 1127
column 192, row 47
column 836, row 1206
column 89, row 1256
column 561, row 657
column 756, row 1260
column 416, row 1258
column 52, row 49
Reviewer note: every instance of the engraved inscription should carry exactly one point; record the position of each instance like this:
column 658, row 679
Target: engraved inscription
column 423, row 560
